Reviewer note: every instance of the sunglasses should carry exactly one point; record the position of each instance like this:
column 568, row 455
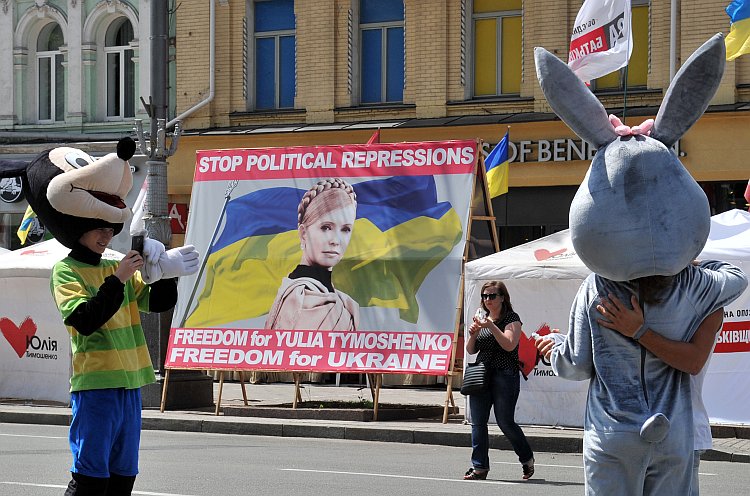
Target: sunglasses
column 489, row 296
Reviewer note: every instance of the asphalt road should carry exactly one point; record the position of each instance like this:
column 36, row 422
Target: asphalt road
column 34, row 460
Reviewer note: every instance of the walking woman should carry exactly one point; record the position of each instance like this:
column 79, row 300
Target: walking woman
column 495, row 339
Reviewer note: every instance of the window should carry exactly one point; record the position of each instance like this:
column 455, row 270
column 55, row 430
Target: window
column 637, row 69
column 496, row 27
column 381, row 25
column 273, row 23
column 120, row 70
column 50, row 75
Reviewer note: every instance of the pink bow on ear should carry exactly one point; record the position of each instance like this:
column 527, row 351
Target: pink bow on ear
column 644, row 128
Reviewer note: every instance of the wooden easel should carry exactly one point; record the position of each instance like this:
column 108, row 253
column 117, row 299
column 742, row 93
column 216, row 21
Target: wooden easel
column 480, row 186
column 218, row 400
column 375, row 382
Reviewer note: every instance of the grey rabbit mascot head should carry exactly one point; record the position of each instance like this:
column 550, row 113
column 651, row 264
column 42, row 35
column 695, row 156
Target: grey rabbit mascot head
column 638, row 211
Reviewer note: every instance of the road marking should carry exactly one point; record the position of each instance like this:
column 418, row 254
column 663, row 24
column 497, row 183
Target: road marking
column 501, row 483
column 57, row 486
column 28, row 435
column 536, row 464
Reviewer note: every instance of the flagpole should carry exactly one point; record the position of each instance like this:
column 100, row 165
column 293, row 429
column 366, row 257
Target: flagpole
column 672, row 40
column 625, row 95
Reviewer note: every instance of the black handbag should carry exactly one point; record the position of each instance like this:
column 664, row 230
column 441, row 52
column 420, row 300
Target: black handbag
column 475, row 379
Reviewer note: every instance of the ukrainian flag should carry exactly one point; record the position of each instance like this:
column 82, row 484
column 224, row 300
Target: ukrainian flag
column 738, row 39
column 401, row 233
column 496, row 165
column 26, row 224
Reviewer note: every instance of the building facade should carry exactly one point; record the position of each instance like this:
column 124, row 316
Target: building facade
column 71, row 71
column 308, row 72
column 260, row 73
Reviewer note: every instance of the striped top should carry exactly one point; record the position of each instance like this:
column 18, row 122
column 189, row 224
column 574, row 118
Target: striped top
column 116, row 355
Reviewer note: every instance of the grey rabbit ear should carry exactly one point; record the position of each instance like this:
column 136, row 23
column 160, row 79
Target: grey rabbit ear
column 691, row 91
column 572, row 101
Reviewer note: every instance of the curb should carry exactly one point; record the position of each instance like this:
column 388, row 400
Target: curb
column 409, row 434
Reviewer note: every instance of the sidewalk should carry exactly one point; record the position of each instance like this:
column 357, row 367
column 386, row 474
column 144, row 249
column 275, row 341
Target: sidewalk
column 733, row 445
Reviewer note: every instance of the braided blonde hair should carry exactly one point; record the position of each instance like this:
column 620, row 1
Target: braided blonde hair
column 320, row 187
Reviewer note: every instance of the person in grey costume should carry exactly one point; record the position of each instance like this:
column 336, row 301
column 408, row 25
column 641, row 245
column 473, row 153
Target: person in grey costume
column 638, row 221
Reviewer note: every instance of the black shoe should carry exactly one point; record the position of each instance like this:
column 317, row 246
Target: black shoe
column 472, row 474
column 528, row 469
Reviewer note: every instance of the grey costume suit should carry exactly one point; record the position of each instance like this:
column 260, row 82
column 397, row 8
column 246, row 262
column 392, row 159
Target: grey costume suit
column 628, row 384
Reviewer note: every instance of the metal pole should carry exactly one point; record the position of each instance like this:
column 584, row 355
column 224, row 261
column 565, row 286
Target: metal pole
column 672, row 39
column 188, row 389
column 156, row 213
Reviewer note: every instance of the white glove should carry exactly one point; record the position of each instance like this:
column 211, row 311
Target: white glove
column 152, row 250
column 176, row 262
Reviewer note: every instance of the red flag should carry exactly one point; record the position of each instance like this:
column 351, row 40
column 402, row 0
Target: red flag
column 375, row 138
column 747, row 195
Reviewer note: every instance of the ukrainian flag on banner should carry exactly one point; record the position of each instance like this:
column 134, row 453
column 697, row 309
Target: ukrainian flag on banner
column 26, row 224
column 401, row 233
column 738, row 39
column 496, row 165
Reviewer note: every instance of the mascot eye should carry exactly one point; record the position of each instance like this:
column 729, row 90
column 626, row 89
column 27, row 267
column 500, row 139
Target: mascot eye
column 78, row 159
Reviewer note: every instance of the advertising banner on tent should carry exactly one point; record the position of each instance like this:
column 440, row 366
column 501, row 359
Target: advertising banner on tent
column 394, row 266
column 543, row 277
column 35, row 359
column 34, row 347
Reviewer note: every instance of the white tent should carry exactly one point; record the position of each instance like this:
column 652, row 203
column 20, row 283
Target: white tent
column 543, row 277
column 35, row 361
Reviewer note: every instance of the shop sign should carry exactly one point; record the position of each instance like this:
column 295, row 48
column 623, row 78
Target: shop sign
column 178, row 213
column 555, row 150
column 11, row 189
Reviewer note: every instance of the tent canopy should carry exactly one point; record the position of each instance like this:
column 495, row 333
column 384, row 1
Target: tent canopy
column 37, row 260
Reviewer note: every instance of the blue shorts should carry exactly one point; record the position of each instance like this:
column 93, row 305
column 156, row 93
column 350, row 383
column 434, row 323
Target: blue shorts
column 105, row 432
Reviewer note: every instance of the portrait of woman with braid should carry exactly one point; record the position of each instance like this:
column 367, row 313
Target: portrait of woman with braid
column 307, row 299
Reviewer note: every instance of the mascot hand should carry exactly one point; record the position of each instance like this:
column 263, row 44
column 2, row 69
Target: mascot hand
column 181, row 261
column 152, row 250
column 176, row 262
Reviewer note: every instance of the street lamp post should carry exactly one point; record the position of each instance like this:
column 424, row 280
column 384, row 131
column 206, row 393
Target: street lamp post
column 187, row 389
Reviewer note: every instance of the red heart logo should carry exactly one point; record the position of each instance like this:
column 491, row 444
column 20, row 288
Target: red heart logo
column 18, row 337
column 543, row 254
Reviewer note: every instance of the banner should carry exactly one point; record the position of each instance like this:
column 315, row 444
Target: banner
column 35, row 356
column 314, row 351
column 394, row 267
column 601, row 41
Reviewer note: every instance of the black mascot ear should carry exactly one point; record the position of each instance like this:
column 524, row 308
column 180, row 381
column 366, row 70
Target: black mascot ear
column 126, row 148
column 13, row 168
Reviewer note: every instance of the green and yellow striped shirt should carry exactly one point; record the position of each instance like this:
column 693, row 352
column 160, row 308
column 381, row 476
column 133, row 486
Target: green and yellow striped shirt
column 116, row 355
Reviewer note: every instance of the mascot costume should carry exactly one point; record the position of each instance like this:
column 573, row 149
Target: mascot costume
column 79, row 199
column 638, row 221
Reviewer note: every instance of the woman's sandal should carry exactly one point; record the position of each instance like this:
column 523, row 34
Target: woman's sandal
column 528, row 469
column 472, row 474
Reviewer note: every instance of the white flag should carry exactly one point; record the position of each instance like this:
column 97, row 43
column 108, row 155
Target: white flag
column 601, row 41
column 137, row 224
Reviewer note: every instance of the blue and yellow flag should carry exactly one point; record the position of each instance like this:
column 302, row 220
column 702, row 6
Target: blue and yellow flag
column 496, row 165
column 738, row 39
column 401, row 233
column 26, row 224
